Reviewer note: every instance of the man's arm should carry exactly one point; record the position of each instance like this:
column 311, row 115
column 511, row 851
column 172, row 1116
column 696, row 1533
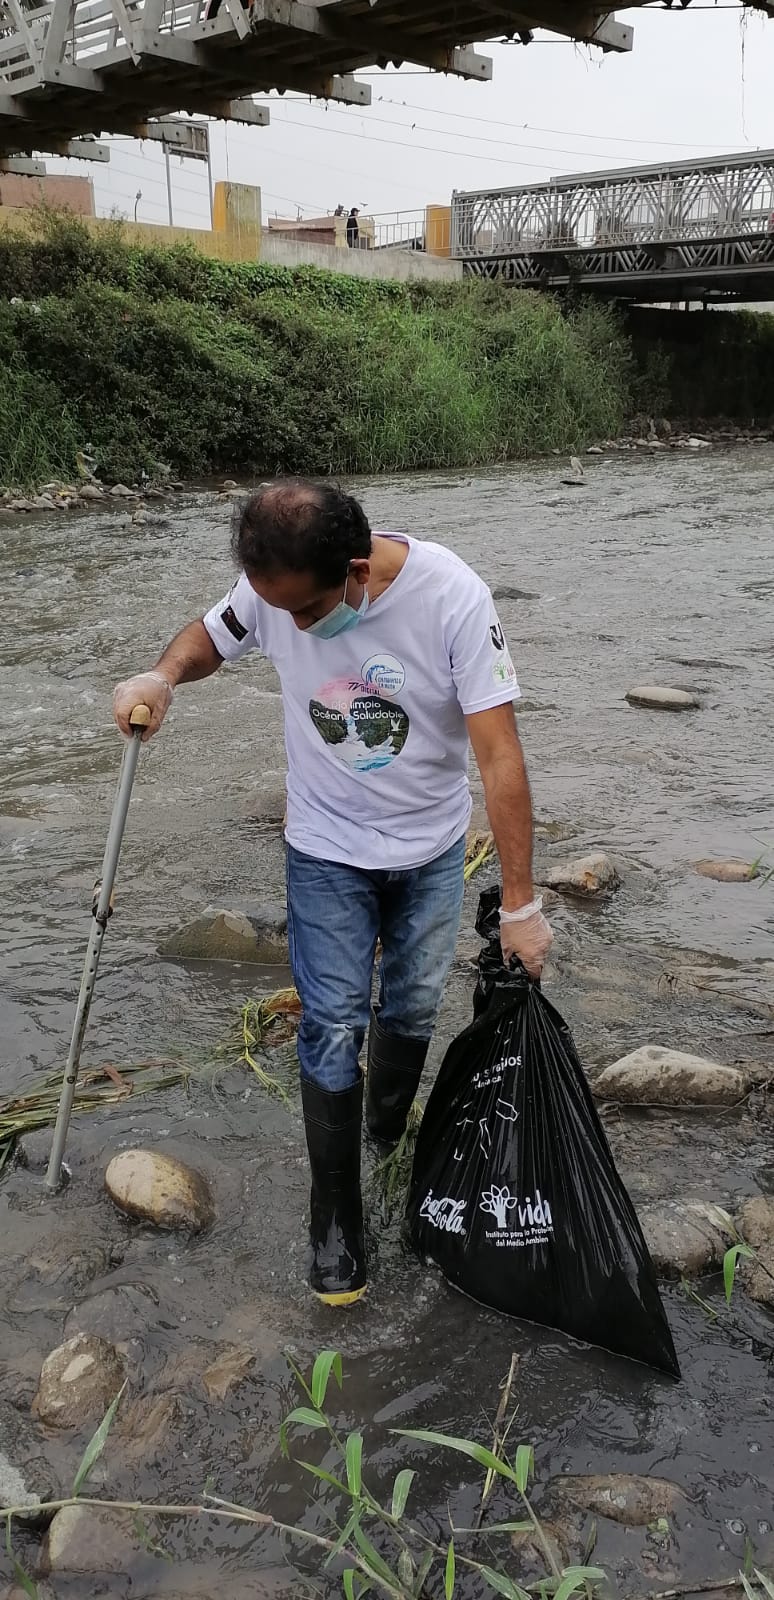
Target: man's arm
column 190, row 656
column 498, row 752
column 497, row 748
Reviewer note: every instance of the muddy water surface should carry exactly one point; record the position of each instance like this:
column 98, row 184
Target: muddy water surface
column 658, row 571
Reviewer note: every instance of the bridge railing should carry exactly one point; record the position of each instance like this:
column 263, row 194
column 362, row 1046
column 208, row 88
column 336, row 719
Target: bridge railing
column 93, row 29
column 645, row 205
column 399, row 230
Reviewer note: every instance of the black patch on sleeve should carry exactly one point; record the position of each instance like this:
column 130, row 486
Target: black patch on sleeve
column 232, row 622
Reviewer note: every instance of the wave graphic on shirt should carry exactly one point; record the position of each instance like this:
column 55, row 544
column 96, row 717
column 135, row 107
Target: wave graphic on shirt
column 361, row 725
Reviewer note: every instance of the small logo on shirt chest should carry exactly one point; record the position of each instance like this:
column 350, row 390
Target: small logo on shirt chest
column 384, row 673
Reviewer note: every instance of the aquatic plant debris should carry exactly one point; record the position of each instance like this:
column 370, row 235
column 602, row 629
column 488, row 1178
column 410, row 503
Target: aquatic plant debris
column 277, row 1013
column 479, row 847
column 36, row 1106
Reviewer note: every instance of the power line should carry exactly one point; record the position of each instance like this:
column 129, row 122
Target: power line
column 402, row 144
column 562, row 133
column 474, row 138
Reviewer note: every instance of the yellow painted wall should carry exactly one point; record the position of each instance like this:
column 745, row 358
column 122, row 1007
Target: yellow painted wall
column 236, row 237
column 438, row 230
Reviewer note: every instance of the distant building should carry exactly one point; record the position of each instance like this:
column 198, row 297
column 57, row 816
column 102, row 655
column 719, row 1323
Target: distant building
column 331, row 230
column 59, row 193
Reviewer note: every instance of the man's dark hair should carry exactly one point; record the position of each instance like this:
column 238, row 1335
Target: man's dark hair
column 292, row 525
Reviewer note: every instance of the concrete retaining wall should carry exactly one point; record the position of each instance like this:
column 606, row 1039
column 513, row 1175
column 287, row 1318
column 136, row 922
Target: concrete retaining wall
column 238, row 236
column 400, row 265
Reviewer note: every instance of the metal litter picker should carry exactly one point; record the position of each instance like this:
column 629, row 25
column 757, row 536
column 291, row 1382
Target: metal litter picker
column 101, row 909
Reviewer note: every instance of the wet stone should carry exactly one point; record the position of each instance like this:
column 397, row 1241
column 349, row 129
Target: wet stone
column 88, row 1539
column 120, row 1314
column 140, row 1434
column 158, row 1188
column 42, row 1592
column 728, row 871
column 222, row 935
column 685, row 1237
column 504, row 591
column 655, row 1075
column 630, row 1498
column 755, row 1224
column 26, row 1477
column 78, row 1381
column 657, row 698
column 226, row 1371
column 588, row 876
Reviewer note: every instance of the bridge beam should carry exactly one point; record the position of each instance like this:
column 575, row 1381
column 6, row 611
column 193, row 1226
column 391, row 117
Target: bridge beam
column 24, row 167
column 236, row 111
column 587, row 27
column 364, row 37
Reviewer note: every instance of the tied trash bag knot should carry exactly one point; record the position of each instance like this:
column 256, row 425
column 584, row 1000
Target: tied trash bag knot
column 497, row 983
column 514, row 1192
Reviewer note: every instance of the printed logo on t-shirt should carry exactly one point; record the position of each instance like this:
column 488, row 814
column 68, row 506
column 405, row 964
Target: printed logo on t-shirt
column 232, row 622
column 503, row 670
column 385, row 673
column 360, row 724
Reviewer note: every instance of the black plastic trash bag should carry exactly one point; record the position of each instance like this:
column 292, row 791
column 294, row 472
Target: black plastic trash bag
column 514, row 1191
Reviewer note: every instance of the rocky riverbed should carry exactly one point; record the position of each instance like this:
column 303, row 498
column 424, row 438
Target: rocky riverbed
column 662, row 577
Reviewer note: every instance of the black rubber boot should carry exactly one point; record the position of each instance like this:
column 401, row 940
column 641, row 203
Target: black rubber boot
column 333, row 1129
column 395, row 1067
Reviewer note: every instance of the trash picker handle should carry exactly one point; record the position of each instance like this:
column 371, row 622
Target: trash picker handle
column 139, row 718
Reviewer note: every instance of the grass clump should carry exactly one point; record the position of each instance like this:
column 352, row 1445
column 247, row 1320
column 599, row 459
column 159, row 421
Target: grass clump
column 149, row 355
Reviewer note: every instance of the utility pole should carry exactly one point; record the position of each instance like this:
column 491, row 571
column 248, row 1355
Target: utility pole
column 165, row 147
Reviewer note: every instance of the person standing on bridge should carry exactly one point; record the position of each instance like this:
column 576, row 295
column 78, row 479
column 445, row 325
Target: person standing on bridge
column 391, row 657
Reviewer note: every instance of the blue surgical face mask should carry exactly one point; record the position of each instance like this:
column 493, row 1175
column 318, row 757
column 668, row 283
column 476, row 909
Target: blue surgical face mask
column 341, row 618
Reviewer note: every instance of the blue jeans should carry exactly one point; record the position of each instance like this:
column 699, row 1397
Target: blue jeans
column 336, row 913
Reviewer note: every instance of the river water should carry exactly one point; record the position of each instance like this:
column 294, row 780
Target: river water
column 657, row 570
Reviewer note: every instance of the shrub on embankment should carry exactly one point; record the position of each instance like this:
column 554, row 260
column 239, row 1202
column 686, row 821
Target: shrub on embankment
column 711, row 365
column 165, row 355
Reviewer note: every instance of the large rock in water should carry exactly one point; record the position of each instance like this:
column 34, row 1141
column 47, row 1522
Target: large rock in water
column 589, row 875
column 90, row 1539
column 685, row 1237
column 755, row 1224
column 657, row 698
column 78, row 1381
column 728, row 871
column 655, row 1075
column 221, row 935
column 159, row 1188
column 625, row 1497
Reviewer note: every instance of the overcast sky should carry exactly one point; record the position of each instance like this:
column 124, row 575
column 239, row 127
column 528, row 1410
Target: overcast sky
column 697, row 83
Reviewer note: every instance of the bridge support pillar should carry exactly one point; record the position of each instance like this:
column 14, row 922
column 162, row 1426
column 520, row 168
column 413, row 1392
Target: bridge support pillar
column 236, row 211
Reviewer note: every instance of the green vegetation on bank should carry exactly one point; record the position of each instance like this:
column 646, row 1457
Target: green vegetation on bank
column 709, row 365
column 148, row 356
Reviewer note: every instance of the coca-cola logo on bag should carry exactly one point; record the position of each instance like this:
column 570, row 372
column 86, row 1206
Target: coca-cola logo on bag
column 445, row 1214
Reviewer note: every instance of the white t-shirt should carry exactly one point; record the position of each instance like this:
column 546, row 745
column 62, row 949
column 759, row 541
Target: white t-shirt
column 375, row 734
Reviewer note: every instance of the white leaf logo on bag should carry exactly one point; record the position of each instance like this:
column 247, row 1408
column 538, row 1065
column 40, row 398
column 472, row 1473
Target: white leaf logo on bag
column 445, row 1214
column 499, row 1202
column 532, row 1221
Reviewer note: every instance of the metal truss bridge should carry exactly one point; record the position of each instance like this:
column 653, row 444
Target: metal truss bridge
column 699, row 230
column 72, row 69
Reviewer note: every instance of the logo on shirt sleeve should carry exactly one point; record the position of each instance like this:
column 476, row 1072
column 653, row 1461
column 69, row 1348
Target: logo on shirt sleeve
column 230, row 619
column 503, row 670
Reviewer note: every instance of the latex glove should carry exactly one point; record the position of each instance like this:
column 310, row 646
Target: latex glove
column 148, row 689
column 530, row 939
